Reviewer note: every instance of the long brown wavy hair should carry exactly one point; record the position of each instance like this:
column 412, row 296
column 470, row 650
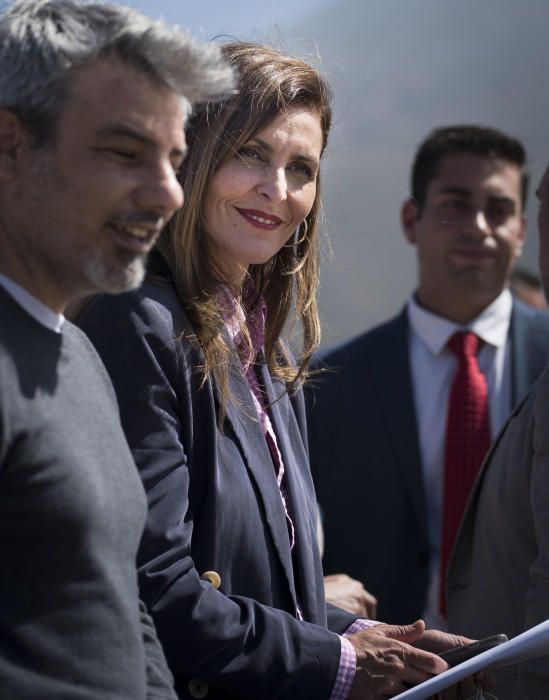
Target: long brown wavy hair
column 269, row 83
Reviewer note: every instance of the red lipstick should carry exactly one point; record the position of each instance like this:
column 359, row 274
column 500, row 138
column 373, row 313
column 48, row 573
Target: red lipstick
column 260, row 219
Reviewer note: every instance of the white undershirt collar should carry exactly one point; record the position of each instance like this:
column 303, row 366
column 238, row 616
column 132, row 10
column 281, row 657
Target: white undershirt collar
column 39, row 311
column 491, row 325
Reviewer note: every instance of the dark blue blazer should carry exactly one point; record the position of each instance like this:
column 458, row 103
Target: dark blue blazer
column 214, row 505
column 366, row 460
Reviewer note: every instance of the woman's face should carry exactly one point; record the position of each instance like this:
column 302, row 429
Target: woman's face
column 258, row 198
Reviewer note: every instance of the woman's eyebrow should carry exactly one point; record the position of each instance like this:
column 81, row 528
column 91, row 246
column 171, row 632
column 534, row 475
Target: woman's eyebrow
column 269, row 149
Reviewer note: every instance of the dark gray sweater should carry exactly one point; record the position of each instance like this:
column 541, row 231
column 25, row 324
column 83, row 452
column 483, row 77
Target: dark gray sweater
column 72, row 511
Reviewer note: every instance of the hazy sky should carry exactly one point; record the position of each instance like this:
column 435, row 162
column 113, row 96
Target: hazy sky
column 243, row 19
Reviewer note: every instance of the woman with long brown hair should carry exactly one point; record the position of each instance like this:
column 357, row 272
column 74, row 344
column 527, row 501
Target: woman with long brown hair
column 211, row 404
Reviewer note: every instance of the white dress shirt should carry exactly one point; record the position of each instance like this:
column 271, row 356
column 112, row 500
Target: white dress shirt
column 433, row 367
column 39, row 311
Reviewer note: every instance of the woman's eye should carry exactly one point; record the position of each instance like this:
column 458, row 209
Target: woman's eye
column 302, row 169
column 248, row 153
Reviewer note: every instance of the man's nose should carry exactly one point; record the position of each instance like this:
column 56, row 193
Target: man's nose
column 479, row 224
column 160, row 191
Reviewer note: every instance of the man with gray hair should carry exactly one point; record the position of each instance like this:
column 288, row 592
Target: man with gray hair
column 93, row 100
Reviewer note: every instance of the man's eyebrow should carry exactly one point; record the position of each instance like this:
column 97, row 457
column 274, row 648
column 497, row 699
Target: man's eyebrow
column 465, row 193
column 126, row 131
column 299, row 156
column 460, row 191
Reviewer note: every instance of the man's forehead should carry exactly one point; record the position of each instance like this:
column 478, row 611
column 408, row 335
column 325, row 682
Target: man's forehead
column 110, row 95
column 468, row 171
column 124, row 84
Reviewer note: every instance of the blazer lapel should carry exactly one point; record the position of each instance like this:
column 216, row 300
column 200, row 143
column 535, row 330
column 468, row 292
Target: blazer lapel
column 393, row 381
column 242, row 416
column 302, row 505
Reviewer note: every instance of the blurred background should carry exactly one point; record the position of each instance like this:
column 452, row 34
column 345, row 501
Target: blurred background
column 399, row 68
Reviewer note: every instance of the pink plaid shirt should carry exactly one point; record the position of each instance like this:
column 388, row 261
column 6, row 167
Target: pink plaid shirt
column 253, row 314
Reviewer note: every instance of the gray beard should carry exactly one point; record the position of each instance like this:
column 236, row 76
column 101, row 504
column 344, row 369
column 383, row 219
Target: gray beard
column 114, row 279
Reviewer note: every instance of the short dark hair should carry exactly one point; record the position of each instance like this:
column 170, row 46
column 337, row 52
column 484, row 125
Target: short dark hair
column 453, row 140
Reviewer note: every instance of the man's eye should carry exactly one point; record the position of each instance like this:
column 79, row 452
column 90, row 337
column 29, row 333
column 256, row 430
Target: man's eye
column 127, row 155
column 454, row 205
column 123, row 153
column 497, row 212
column 453, row 208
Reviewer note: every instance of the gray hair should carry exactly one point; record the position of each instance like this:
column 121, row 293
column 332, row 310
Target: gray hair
column 42, row 43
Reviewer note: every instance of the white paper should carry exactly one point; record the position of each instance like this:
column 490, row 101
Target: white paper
column 528, row 645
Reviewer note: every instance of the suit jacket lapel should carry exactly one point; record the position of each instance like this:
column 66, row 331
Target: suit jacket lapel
column 242, row 417
column 302, row 506
column 393, row 381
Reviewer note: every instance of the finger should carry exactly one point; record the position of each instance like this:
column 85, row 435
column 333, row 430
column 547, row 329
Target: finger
column 355, row 606
column 411, row 676
column 425, row 661
column 371, row 611
column 402, row 633
column 437, row 641
column 370, row 604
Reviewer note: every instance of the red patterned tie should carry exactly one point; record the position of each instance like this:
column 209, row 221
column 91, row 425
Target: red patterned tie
column 467, row 441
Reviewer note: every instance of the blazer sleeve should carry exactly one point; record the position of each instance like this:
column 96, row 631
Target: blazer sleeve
column 232, row 642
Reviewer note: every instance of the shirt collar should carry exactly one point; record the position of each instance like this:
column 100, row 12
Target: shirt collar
column 249, row 312
column 491, row 325
column 35, row 308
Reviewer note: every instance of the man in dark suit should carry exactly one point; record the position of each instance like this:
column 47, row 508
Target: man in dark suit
column 93, row 99
column 381, row 418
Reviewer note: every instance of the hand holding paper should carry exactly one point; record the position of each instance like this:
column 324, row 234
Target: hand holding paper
column 528, row 645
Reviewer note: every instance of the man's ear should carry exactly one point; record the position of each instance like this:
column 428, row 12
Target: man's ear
column 409, row 215
column 12, row 135
column 520, row 240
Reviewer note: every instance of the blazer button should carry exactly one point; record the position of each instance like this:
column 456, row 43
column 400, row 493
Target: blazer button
column 198, row 689
column 213, row 577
